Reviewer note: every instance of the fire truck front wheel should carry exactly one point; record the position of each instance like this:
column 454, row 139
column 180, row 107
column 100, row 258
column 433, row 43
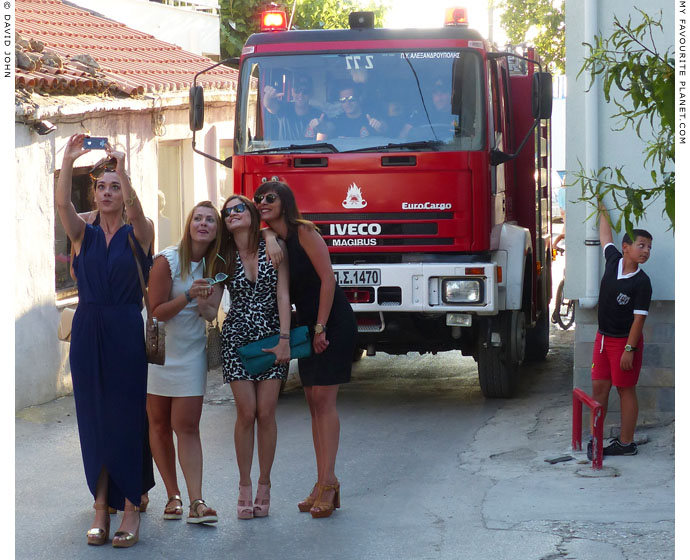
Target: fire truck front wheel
column 499, row 358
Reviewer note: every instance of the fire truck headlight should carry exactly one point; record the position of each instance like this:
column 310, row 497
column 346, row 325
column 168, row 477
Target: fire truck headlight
column 462, row 290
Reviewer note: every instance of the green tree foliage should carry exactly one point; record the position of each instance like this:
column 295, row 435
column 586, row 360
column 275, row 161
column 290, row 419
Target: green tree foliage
column 631, row 67
column 240, row 18
column 547, row 18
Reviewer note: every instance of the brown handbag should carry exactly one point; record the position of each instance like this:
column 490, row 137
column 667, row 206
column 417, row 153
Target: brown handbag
column 155, row 329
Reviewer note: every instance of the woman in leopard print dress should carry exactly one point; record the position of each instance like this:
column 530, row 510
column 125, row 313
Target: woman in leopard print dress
column 260, row 308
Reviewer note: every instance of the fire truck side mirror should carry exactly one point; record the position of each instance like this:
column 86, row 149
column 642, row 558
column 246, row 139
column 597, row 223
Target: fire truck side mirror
column 196, row 108
column 542, row 95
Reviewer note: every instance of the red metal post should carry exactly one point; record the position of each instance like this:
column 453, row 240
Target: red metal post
column 579, row 397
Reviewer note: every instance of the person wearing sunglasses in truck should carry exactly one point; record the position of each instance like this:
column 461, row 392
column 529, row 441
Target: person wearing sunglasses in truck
column 295, row 120
column 353, row 121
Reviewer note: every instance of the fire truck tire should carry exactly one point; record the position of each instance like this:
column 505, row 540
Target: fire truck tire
column 499, row 366
column 537, row 343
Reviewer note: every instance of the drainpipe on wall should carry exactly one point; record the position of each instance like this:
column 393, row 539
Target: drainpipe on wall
column 592, row 244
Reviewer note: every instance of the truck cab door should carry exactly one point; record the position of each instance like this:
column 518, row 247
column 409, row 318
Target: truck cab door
column 497, row 140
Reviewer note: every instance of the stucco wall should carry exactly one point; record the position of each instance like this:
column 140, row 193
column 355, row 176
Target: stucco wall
column 656, row 388
column 615, row 148
column 41, row 360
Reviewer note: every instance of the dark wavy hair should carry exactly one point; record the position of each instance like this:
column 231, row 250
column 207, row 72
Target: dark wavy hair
column 229, row 248
column 291, row 214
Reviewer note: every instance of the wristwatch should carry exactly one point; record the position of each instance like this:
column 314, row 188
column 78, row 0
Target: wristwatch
column 319, row 328
column 188, row 296
column 629, row 348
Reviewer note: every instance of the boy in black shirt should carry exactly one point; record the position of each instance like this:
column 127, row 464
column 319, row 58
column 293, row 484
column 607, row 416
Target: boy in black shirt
column 624, row 298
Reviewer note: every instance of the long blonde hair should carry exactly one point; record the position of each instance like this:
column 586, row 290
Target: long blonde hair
column 213, row 263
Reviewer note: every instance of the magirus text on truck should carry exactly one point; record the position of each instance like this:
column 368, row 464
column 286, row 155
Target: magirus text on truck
column 424, row 157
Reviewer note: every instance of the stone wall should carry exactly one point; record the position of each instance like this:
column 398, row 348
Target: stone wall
column 656, row 387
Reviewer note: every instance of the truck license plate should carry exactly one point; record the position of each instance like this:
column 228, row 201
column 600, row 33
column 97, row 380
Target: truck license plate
column 358, row 276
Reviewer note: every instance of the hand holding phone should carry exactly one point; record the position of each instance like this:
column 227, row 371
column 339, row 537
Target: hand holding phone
column 94, row 143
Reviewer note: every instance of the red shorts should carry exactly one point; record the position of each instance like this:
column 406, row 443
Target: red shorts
column 606, row 361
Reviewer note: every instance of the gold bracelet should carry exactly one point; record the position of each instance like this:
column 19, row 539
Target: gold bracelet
column 129, row 201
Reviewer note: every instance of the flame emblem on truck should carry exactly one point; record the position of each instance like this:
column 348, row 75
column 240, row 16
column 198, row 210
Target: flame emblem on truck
column 354, row 198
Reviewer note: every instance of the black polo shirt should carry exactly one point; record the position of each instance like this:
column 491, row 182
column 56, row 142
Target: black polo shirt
column 621, row 296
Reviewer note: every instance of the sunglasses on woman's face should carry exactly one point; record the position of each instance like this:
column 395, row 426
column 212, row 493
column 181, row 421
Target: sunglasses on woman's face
column 237, row 209
column 105, row 165
column 270, row 198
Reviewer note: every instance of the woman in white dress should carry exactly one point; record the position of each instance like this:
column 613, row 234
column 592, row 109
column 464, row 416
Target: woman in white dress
column 181, row 298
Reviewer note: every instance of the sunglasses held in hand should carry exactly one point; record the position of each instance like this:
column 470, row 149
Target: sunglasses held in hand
column 220, row 277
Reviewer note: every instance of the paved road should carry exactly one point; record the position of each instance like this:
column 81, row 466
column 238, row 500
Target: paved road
column 429, row 470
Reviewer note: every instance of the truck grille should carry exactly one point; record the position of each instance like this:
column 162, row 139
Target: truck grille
column 359, row 217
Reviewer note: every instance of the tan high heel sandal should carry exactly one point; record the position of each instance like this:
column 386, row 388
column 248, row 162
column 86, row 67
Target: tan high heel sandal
column 173, row 512
column 325, row 509
column 125, row 539
column 97, row 536
column 306, row 504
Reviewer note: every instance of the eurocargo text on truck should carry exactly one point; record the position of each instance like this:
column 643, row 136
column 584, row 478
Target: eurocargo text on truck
column 423, row 155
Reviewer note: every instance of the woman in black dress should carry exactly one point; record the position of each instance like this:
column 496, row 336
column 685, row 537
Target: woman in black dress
column 322, row 306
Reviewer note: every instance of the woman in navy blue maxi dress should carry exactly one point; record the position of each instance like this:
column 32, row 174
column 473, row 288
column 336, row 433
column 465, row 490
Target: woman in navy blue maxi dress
column 107, row 351
column 108, row 363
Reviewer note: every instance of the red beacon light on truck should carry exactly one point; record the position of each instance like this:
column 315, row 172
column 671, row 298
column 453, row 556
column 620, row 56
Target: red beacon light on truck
column 456, row 17
column 273, row 21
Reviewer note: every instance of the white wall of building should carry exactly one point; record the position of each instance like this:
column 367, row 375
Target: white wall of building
column 41, row 361
column 193, row 31
column 615, row 148
column 656, row 386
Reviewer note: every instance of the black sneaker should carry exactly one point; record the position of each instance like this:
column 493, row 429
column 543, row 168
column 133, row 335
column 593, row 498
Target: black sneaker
column 618, row 448
column 590, row 451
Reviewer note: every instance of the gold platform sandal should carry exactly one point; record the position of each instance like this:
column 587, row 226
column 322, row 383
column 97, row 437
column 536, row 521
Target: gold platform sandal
column 325, row 509
column 209, row 516
column 173, row 512
column 97, row 536
column 124, row 539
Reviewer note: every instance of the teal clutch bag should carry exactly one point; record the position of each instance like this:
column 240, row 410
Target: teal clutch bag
column 257, row 361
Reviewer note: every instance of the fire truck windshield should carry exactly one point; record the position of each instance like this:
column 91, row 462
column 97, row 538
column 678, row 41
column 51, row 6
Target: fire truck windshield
column 377, row 101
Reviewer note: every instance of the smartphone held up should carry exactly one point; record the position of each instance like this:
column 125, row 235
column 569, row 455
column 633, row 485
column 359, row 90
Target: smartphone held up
column 95, row 143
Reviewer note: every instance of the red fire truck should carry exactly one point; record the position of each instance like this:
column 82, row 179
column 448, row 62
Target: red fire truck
column 423, row 155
